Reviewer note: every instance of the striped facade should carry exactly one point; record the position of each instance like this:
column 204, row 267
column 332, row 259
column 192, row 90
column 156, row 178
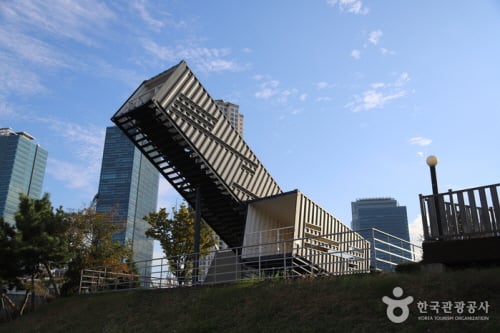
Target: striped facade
column 292, row 225
column 173, row 120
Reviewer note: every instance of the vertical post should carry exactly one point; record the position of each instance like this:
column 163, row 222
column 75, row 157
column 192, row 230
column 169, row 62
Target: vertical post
column 161, row 272
column 432, row 162
column 373, row 251
column 236, row 266
column 197, row 228
column 423, row 210
column 33, row 298
column 81, row 278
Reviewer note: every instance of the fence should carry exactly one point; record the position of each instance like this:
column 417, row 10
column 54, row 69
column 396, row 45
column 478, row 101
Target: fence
column 283, row 258
column 388, row 251
column 464, row 214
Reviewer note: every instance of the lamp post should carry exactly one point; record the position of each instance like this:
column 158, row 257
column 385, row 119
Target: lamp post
column 432, row 161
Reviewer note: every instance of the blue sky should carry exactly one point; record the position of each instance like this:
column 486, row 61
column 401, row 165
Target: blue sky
column 343, row 99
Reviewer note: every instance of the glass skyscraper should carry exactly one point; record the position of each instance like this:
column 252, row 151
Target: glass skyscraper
column 385, row 215
column 22, row 169
column 128, row 186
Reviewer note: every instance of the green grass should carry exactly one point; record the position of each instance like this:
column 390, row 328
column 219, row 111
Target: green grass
column 335, row 304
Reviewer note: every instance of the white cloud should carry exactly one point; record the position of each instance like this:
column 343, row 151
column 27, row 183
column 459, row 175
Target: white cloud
column 105, row 69
column 17, row 79
column 167, row 195
column 267, row 89
column 161, row 52
column 74, row 175
column 403, row 79
column 203, row 59
column 416, row 235
column 350, row 6
column 323, row 99
column 6, row 109
column 145, row 15
column 259, row 77
column 378, row 85
column 373, row 99
column 155, row 18
column 420, row 154
column 420, row 141
column 385, row 51
column 285, row 94
column 217, row 65
column 356, row 54
column 31, row 36
column 375, row 36
column 30, row 49
column 271, row 90
column 322, row 85
column 79, row 21
column 86, row 153
column 379, row 94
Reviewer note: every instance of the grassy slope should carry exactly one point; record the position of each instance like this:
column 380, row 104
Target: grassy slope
column 341, row 304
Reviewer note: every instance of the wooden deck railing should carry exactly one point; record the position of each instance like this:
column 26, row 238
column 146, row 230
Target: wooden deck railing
column 464, row 214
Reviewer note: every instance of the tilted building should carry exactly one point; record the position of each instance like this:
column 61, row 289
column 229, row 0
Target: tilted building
column 176, row 124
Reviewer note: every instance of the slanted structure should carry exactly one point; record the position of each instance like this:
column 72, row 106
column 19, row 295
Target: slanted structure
column 173, row 120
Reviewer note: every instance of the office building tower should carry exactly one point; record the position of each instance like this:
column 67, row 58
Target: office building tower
column 128, row 187
column 22, row 169
column 386, row 215
column 231, row 111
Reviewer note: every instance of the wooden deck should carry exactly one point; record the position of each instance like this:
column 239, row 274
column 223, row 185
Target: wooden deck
column 464, row 228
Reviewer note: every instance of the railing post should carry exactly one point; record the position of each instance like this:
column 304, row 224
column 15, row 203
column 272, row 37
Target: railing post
column 260, row 267
column 284, row 264
column 161, row 272
column 374, row 250
column 423, row 207
column 197, row 228
column 236, row 265
column 81, row 279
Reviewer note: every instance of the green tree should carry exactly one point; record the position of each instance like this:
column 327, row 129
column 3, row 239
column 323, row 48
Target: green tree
column 176, row 237
column 90, row 239
column 9, row 269
column 41, row 235
column 34, row 246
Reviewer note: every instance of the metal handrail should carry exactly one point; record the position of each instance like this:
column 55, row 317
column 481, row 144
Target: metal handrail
column 231, row 266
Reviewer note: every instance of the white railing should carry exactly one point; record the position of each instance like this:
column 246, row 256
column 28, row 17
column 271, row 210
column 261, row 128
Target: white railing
column 388, row 251
column 228, row 265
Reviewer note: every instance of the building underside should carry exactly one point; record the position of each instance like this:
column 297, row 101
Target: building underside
column 172, row 119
